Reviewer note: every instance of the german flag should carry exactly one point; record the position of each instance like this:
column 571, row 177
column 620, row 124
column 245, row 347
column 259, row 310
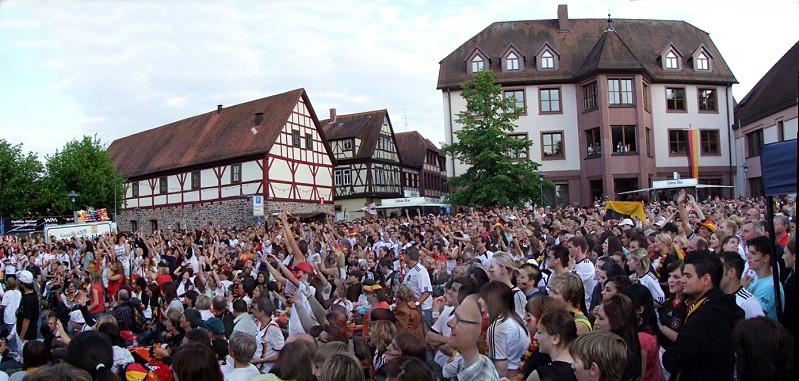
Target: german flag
column 616, row 210
column 693, row 152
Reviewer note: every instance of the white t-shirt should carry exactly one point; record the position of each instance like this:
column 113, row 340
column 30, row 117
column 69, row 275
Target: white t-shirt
column 11, row 302
column 418, row 279
column 238, row 374
column 507, row 340
column 585, row 270
column 443, row 329
column 271, row 338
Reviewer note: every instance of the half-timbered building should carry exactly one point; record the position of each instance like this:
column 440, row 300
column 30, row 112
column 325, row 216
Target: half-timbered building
column 424, row 167
column 367, row 161
column 209, row 167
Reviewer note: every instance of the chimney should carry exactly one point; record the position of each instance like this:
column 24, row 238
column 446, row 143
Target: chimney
column 259, row 117
column 332, row 115
column 218, row 109
column 563, row 17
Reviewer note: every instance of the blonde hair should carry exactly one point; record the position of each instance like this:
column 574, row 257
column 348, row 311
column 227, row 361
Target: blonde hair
column 242, row 346
column 570, row 286
column 642, row 256
column 327, row 351
column 405, row 293
column 203, row 302
column 505, row 260
column 383, row 331
column 341, row 367
column 106, row 318
column 663, row 238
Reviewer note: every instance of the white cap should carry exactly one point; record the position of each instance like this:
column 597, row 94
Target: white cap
column 25, row 277
column 77, row 317
column 626, row 221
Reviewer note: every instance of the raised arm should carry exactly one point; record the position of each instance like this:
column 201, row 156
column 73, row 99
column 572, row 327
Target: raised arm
column 290, row 241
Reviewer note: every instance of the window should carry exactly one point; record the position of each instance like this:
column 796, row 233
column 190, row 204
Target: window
column 624, row 139
column 702, row 62
column 295, row 138
column 646, row 98
column 163, row 185
column 343, row 177
column 235, row 173
column 380, row 177
column 347, row 144
column 518, row 99
column 512, row 62
column 709, row 142
column 675, row 99
column 678, row 142
column 195, row 180
column 671, row 61
column 549, row 100
column 754, row 141
column 707, row 100
column 153, row 225
column 478, row 64
column 134, row 226
column 589, row 96
column 592, row 139
column 134, row 189
column 309, row 141
column 649, row 142
column 620, row 91
column 547, row 60
column 552, row 145
column 520, row 153
column 756, row 187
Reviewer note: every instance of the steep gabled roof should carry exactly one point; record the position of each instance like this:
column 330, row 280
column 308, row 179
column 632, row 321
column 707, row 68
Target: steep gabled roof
column 582, row 48
column 776, row 91
column 410, row 146
column 364, row 126
column 206, row 138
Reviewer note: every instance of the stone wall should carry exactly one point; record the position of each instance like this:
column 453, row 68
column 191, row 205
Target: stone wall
column 236, row 212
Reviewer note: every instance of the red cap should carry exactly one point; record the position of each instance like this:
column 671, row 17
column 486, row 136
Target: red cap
column 304, row 266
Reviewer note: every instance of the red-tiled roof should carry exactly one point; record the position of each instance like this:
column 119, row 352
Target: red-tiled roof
column 410, row 146
column 586, row 49
column 776, row 91
column 206, row 138
column 363, row 125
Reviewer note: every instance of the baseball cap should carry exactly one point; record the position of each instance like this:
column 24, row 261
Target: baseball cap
column 213, row 324
column 25, row 277
column 77, row 317
column 626, row 221
column 304, row 266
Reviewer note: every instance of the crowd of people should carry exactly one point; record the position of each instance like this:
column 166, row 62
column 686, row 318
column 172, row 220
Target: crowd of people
column 545, row 293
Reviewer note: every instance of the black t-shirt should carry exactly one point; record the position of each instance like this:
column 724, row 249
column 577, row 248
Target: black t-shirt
column 672, row 315
column 28, row 309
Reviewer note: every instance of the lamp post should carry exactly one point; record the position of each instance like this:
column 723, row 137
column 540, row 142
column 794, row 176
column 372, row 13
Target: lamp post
column 72, row 195
column 541, row 175
column 745, row 167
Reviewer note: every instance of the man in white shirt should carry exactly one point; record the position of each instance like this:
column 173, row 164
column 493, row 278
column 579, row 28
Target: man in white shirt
column 483, row 254
column 578, row 247
column 418, row 279
column 243, row 321
column 9, row 306
column 270, row 338
column 237, row 367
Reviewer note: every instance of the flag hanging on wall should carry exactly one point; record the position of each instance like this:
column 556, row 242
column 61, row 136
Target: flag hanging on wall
column 693, row 152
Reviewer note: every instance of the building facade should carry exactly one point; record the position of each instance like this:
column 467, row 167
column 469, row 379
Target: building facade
column 368, row 165
column 767, row 114
column 607, row 103
column 208, row 168
column 424, row 168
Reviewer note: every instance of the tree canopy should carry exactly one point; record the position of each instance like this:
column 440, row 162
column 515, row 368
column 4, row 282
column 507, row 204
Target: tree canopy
column 31, row 188
column 483, row 143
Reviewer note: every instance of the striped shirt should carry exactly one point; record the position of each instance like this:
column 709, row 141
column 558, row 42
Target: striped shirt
column 749, row 303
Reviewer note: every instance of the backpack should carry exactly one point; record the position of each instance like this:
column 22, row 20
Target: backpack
column 137, row 372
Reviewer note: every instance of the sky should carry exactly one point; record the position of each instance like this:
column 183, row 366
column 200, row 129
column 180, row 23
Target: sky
column 114, row 68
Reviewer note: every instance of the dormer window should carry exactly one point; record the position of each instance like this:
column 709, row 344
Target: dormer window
column 478, row 64
column 671, row 61
column 512, row 62
column 702, row 62
column 547, row 60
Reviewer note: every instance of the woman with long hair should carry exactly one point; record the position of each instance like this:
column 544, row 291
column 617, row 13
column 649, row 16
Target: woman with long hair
column 605, row 268
column 639, row 262
column 407, row 313
column 763, row 350
column 503, row 269
column 674, row 310
column 617, row 315
column 382, row 331
column 647, row 328
column 716, row 240
column 611, row 244
column 116, row 278
column 196, row 362
column 507, row 335
column 568, row 287
column 555, row 334
column 96, row 295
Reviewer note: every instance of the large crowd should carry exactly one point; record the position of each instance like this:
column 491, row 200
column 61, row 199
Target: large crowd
column 546, row 293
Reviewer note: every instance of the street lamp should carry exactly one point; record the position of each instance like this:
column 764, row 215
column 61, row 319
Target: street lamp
column 72, row 195
column 541, row 175
column 745, row 167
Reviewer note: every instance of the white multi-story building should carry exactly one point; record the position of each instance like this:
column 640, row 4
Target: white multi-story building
column 607, row 103
column 207, row 168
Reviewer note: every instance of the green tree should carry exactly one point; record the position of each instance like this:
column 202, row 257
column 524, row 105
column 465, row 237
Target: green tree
column 492, row 179
column 82, row 166
column 20, row 176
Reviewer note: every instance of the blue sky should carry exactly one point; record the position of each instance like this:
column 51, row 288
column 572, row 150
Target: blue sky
column 114, row 68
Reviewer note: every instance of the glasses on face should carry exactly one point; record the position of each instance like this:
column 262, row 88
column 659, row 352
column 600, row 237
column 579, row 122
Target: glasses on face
column 459, row 321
